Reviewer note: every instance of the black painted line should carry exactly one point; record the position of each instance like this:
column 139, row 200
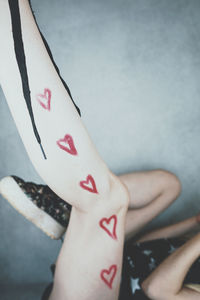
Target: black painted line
column 52, row 59
column 21, row 61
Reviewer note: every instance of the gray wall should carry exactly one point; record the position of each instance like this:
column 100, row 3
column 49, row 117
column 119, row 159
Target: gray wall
column 134, row 69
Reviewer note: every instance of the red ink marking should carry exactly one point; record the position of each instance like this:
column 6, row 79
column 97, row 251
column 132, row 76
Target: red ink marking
column 89, row 181
column 45, row 99
column 108, row 275
column 67, row 144
column 109, row 225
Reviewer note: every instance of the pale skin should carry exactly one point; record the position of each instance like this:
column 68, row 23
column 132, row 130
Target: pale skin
column 64, row 172
column 151, row 192
column 82, row 257
column 135, row 182
column 187, row 226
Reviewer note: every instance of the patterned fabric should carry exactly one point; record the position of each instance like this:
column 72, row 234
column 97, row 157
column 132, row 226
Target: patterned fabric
column 44, row 198
column 142, row 258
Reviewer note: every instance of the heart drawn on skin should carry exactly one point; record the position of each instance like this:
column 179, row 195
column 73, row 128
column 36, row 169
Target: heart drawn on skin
column 89, row 184
column 108, row 275
column 67, row 144
column 109, row 225
column 45, row 99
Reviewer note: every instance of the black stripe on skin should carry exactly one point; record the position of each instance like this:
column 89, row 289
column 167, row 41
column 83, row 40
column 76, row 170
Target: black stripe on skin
column 21, row 61
column 52, row 59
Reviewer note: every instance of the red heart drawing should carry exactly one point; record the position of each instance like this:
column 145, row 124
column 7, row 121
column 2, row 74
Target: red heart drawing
column 67, row 144
column 109, row 225
column 108, row 275
column 45, row 99
column 89, row 181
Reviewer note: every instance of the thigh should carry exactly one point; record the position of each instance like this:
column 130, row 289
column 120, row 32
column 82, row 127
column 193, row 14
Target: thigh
column 151, row 192
column 146, row 186
column 54, row 136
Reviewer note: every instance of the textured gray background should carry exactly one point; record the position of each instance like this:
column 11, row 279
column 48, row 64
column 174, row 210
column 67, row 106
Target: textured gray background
column 133, row 67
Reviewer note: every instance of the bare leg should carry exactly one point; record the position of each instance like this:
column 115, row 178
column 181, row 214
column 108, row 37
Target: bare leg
column 69, row 160
column 89, row 265
column 150, row 192
column 167, row 280
column 175, row 230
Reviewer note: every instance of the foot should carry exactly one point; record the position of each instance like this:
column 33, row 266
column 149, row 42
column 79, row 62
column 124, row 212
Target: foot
column 38, row 203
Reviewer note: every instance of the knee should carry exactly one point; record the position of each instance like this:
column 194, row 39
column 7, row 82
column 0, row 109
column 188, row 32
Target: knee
column 153, row 291
column 149, row 290
column 170, row 182
column 113, row 196
column 117, row 196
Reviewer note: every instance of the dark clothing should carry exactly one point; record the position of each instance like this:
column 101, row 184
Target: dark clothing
column 142, row 258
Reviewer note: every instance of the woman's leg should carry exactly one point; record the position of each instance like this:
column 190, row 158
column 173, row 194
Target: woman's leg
column 58, row 144
column 151, row 192
column 166, row 282
column 161, row 182
column 72, row 167
column 174, row 230
column 150, row 187
column 89, row 263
